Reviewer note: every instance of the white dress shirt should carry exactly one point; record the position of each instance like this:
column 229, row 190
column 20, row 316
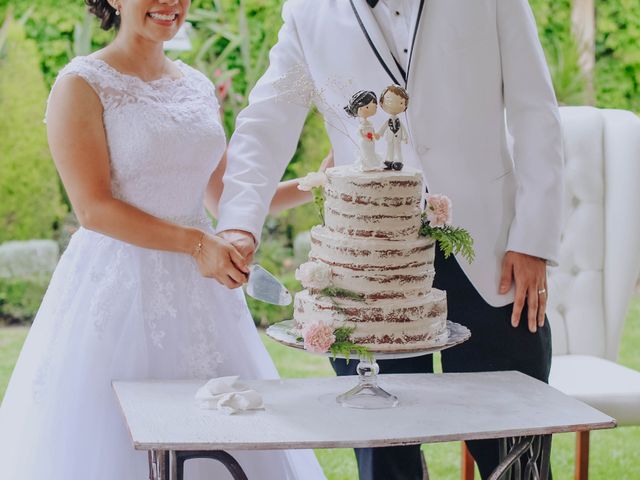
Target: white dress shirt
column 397, row 19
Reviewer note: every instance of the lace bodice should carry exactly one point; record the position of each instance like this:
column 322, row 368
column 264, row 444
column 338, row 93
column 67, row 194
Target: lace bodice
column 164, row 136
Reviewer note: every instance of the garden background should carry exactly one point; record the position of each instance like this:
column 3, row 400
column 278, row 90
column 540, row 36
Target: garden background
column 230, row 40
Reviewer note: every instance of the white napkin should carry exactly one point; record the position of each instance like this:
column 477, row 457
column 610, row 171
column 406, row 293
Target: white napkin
column 228, row 395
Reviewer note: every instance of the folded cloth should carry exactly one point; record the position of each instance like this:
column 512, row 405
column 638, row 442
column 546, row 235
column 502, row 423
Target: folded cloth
column 228, row 395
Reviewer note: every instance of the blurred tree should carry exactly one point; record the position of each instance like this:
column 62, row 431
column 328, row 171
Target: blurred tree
column 583, row 23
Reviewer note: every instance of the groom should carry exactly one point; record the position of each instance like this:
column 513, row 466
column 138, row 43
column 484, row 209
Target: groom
column 468, row 65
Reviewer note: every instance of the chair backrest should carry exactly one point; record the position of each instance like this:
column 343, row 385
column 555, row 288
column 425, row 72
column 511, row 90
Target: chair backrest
column 590, row 290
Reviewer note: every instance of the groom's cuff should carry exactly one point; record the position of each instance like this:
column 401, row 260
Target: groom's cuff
column 224, row 225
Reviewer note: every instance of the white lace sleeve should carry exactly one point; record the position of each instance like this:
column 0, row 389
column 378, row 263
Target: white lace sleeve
column 88, row 71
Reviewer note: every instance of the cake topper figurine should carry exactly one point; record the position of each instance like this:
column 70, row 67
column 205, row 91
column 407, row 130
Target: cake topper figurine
column 394, row 100
column 364, row 104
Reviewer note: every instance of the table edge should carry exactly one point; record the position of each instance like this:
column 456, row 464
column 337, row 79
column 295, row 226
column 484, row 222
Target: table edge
column 375, row 443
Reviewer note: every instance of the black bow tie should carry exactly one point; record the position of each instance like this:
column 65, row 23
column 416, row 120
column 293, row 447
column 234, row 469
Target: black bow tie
column 372, row 3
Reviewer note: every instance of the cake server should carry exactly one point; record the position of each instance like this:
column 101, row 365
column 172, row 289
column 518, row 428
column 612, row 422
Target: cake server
column 265, row 287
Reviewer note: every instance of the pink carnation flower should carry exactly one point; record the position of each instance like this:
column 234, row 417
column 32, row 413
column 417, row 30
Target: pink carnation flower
column 438, row 210
column 318, row 337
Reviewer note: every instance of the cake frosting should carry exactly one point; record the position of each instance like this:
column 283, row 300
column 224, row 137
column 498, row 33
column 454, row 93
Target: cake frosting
column 371, row 243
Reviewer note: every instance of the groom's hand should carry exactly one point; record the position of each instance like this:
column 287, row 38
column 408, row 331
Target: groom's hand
column 530, row 277
column 244, row 242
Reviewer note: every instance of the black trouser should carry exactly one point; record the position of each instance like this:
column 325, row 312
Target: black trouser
column 494, row 346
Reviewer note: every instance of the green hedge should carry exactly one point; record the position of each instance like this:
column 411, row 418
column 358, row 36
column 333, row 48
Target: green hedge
column 31, row 205
column 20, row 298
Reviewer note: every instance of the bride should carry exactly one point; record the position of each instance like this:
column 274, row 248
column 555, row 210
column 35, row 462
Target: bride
column 144, row 289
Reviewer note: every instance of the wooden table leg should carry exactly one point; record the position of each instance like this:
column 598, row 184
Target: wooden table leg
column 582, row 456
column 468, row 464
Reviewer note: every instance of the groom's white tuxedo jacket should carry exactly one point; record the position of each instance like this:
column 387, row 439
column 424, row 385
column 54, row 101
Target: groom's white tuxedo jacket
column 473, row 64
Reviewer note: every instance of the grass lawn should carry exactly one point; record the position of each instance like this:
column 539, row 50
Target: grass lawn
column 615, row 454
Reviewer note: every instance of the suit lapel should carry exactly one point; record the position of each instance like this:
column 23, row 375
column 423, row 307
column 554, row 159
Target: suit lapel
column 376, row 40
column 413, row 38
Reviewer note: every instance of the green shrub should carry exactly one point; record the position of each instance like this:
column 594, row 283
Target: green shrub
column 31, row 205
column 20, row 298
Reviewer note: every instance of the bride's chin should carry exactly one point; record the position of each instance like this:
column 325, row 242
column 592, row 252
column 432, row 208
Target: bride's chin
column 159, row 37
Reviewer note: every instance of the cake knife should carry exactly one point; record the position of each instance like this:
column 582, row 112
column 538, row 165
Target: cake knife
column 263, row 286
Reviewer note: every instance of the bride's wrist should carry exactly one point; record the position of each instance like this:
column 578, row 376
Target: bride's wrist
column 190, row 241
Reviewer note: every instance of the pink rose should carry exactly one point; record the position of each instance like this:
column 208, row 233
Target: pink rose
column 318, row 337
column 438, row 210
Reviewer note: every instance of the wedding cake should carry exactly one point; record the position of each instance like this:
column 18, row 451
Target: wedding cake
column 369, row 269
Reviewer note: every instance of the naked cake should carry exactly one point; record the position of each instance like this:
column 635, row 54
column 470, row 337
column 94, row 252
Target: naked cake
column 369, row 269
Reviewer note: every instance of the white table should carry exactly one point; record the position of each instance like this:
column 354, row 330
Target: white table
column 164, row 420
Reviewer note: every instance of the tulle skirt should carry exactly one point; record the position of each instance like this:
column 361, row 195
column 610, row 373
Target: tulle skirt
column 117, row 311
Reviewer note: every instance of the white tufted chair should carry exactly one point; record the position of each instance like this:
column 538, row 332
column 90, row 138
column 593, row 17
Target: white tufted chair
column 589, row 291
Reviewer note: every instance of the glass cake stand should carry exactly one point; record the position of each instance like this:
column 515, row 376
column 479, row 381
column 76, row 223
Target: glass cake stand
column 367, row 393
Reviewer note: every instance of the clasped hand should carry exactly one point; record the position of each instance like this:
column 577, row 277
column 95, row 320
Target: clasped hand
column 221, row 260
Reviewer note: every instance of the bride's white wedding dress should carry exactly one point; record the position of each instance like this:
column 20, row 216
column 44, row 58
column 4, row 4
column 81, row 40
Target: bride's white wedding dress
column 117, row 311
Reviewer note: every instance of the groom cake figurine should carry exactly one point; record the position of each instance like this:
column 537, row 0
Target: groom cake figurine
column 394, row 100
column 484, row 129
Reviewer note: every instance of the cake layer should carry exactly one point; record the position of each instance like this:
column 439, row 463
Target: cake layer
column 406, row 285
column 313, row 307
column 363, row 254
column 378, row 269
column 379, row 204
column 379, row 325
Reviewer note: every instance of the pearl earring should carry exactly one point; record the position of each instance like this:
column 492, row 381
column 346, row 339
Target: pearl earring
column 117, row 13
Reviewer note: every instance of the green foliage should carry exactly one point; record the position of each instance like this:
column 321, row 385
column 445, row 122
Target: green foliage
column 61, row 30
column 231, row 41
column 20, row 298
column 553, row 18
column 31, row 205
column 336, row 292
column 617, row 71
column 318, row 201
column 343, row 334
column 450, row 240
column 312, row 149
column 617, row 76
column 345, row 347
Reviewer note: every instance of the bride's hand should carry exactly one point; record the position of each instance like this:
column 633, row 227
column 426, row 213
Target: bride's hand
column 218, row 259
column 327, row 162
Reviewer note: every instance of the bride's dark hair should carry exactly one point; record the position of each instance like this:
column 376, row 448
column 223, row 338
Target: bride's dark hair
column 105, row 12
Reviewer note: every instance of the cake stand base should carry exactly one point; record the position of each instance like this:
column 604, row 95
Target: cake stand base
column 367, row 394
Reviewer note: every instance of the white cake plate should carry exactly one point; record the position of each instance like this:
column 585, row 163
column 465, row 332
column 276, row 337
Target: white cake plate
column 367, row 393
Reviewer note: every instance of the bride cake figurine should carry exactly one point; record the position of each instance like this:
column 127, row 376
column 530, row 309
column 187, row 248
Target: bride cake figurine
column 363, row 105
column 394, row 100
